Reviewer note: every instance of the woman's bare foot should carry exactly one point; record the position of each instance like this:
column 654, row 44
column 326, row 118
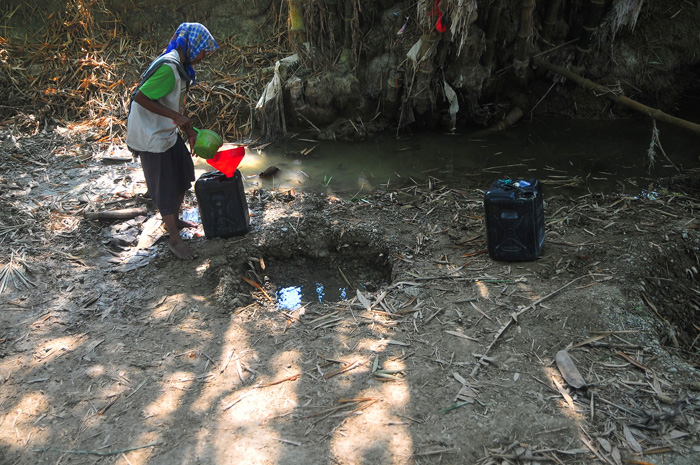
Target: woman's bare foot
column 182, row 224
column 181, row 250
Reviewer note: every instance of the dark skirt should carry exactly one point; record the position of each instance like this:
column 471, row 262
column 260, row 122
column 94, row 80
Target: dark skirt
column 168, row 176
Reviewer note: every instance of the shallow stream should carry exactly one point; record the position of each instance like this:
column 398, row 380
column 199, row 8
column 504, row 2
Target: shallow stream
column 567, row 156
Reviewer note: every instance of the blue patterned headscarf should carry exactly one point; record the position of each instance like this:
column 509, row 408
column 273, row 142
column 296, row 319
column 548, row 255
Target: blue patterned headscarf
column 192, row 38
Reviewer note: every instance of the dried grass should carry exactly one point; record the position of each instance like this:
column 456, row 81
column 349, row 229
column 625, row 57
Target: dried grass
column 83, row 65
column 325, row 30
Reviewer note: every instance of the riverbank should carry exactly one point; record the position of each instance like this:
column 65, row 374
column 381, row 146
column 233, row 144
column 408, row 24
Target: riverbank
column 121, row 354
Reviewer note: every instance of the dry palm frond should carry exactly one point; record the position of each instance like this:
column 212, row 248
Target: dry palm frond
column 15, row 272
column 623, row 13
column 7, row 229
column 463, row 14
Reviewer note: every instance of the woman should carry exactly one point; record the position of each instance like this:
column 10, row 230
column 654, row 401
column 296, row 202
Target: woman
column 157, row 111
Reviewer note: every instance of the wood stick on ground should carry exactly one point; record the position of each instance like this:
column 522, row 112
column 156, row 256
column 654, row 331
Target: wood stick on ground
column 346, row 279
column 601, row 457
column 112, row 402
column 344, row 403
column 652, row 306
column 524, row 458
column 254, row 284
column 237, row 400
column 342, row 370
column 283, row 380
column 100, row 454
column 124, row 214
column 658, row 144
column 621, row 99
column 435, row 452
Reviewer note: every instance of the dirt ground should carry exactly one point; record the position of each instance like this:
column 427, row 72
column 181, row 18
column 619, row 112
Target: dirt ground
column 438, row 354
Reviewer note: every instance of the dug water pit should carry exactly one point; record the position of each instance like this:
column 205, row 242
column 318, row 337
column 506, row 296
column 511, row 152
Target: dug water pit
column 303, row 280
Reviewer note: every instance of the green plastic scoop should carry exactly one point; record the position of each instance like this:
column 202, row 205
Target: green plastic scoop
column 208, row 143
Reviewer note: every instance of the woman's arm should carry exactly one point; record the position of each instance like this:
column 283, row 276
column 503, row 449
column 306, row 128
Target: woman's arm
column 154, row 106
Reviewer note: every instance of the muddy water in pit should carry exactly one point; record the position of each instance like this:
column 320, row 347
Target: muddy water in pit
column 568, row 156
column 324, row 280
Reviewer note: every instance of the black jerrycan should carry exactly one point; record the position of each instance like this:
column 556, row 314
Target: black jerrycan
column 514, row 214
column 222, row 204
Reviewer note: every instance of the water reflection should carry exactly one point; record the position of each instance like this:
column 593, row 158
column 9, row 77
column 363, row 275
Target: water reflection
column 319, row 291
column 291, row 297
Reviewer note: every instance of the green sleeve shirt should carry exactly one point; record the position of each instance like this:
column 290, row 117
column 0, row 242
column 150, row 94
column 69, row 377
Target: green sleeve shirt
column 160, row 84
column 151, row 132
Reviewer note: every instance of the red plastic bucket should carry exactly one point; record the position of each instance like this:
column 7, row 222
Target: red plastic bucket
column 227, row 160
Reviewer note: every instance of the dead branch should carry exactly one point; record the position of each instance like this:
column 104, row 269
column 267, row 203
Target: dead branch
column 588, row 84
column 124, row 214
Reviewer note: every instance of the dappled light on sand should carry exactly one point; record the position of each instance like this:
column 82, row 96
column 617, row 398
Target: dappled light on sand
column 247, row 429
column 173, row 389
column 483, row 289
column 292, row 218
column 251, row 415
column 379, row 433
column 50, row 350
column 18, row 424
column 168, row 306
column 201, row 269
column 565, row 400
column 143, row 445
column 231, row 367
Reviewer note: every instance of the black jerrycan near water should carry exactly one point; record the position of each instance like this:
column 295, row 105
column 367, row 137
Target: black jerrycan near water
column 514, row 214
column 222, row 204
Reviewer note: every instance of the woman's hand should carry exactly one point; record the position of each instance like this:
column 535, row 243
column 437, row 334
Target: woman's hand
column 192, row 135
column 183, row 122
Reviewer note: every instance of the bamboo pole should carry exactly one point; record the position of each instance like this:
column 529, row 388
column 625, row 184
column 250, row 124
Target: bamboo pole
column 492, row 31
column 297, row 30
column 347, row 42
column 347, row 32
column 550, row 20
column 521, row 44
column 628, row 102
column 334, row 26
column 522, row 57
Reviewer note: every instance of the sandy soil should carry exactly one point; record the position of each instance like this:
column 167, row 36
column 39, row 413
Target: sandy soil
column 438, row 354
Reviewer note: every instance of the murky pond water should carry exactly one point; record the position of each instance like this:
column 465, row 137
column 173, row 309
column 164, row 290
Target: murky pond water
column 567, row 155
